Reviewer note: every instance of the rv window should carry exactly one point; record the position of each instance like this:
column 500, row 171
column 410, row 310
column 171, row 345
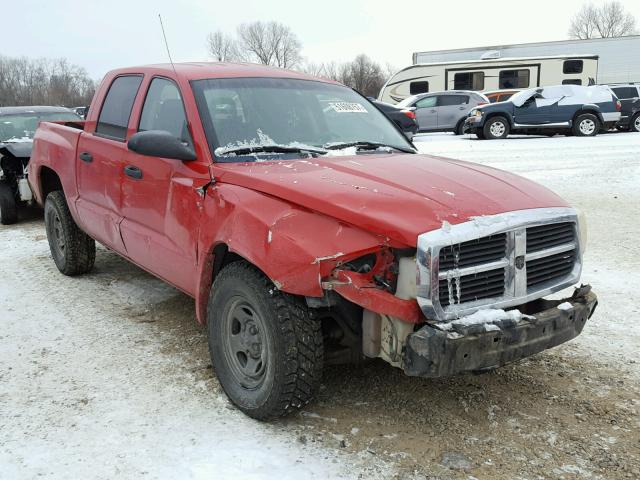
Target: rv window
column 572, row 81
column 514, row 79
column 468, row 81
column 449, row 100
column 418, row 87
column 572, row 66
column 426, row 102
column 625, row 92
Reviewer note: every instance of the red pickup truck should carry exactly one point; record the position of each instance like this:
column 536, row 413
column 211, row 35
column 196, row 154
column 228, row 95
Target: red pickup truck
column 307, row 228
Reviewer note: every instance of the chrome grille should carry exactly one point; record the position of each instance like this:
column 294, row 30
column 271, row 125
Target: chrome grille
column 497, row 261
column 547, row 236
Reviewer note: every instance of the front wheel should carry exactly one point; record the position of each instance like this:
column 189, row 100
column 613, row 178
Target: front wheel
column 8, row 205
column 586, row 125
column 73, row 251
column 634, row 123
column 495, row 128
column 265, row 348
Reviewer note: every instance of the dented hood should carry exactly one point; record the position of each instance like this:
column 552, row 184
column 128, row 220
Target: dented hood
column 398, row 196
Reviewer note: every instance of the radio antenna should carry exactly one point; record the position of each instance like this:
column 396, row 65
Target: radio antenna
column 166, row 44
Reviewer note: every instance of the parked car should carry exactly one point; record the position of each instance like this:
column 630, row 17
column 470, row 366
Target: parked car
column 629, row 96
column 443, row 111
column 81, row 111
column 17, row 126
column 501, row 95
column 569, row 109
column 404, row 118
column 307, row 228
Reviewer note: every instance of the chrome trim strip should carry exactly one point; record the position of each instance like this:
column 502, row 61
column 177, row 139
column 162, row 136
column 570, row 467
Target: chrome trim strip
column 484, row 267
column 516, row 292
column 540, row 125
column 551, row 251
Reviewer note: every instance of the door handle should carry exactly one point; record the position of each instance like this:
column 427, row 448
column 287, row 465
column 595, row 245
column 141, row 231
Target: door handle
column 133, row 172
column 433, row 111
column 461, row 108
column 86, row 157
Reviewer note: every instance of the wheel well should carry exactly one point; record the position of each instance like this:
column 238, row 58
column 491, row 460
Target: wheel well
column 221, row 258
column 49, row 182
column 588, row 110
column 497, row 114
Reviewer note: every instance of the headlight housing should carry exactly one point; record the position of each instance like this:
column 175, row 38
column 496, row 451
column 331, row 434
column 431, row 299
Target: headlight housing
column 475, row 113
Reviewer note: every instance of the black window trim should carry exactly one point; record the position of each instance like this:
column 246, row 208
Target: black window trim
column 144, row 101
column 572, row 72
column 111, row 137
column 528, row 70
column 472, row 73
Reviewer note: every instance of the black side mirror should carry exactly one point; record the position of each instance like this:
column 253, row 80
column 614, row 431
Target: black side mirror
column 158, row 143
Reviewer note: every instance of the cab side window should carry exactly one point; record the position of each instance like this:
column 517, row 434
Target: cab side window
column 116, row 109
column 426, row 102
column 163, row 110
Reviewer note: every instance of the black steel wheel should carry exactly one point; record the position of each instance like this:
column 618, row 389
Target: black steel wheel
column 265, row 348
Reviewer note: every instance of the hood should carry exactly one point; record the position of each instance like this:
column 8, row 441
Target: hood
column 16, row 149
column 504, row 106
column 399, row 196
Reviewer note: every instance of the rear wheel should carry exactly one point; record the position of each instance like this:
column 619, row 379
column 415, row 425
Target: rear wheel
column 495, row 128
column 73, row 251
column 634, row 123
column 8, row 205
column 265, row 348
column 586, row 125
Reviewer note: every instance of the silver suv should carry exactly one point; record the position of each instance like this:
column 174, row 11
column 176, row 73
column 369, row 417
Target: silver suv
column 443, row 111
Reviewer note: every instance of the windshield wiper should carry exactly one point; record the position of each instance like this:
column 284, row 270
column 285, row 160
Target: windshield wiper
column 364, row 145
column 271, row 149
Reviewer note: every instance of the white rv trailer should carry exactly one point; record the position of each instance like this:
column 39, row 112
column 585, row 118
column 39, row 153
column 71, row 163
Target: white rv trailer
column 503, row 73
column 618, row 61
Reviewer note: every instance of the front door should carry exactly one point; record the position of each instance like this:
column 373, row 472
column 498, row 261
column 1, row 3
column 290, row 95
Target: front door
column 427, row 113
column 99, row 164
column 160, row 200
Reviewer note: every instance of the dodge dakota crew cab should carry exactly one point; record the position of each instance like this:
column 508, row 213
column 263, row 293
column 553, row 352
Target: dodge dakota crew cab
column 308, row 229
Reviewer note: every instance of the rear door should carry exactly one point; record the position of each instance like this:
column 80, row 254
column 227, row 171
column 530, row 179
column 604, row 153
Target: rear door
column 427, row 113
column 160, row 200
column 451, row 108
column 99, row 164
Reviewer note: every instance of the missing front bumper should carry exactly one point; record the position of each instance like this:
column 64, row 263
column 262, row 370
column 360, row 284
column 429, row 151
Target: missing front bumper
column 431, row 352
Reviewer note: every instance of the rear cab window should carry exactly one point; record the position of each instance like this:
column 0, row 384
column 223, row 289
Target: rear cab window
column 116, row 108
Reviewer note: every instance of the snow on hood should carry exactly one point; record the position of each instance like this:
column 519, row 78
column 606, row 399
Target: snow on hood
column 396, row 195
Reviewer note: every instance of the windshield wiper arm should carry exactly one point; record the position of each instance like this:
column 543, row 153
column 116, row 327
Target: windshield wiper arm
column 271, row 149
column 365, row 145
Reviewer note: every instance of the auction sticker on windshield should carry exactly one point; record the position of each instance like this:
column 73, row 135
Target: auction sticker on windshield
column 347, row 107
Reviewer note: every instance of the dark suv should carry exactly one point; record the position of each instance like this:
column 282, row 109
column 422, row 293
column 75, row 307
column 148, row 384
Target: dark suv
column 568, row 109
column 629, row 96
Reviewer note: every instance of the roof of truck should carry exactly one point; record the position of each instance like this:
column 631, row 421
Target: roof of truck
column 202, row 70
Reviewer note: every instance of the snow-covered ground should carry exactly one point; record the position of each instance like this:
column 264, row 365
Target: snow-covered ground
column 107, row 375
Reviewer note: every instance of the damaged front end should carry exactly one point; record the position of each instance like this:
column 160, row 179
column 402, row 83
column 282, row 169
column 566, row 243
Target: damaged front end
column 470, row 297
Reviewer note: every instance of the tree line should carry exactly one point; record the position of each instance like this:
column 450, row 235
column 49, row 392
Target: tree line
column 25, row 81
column 275, row 44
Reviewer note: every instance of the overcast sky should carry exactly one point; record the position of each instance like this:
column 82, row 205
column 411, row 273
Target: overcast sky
column 101, row 35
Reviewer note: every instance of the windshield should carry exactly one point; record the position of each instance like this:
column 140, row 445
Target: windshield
column 519, row 98
column 241, row 116
column 22, row 126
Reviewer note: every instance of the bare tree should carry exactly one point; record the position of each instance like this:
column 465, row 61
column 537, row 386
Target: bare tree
column 222, row 47
column 26, row 81
column 269, row 43
column 364, row 75
column 609, row 20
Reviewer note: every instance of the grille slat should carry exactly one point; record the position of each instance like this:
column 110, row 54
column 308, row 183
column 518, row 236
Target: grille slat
column 474, row 252
column 474, row 287
column 550, row 268
column 551, row 235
